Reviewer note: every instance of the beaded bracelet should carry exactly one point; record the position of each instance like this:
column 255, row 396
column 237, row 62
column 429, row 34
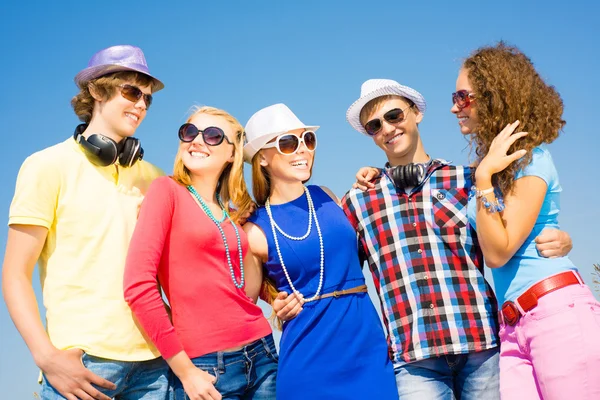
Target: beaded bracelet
column 497, row 206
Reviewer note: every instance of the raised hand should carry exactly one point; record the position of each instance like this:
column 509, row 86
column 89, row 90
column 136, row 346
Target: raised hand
column 497, row 158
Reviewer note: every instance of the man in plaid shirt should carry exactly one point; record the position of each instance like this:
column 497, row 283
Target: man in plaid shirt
column 439, row 312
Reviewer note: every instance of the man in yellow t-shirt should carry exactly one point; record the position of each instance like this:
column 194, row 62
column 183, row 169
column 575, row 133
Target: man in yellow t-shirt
column 74, row 211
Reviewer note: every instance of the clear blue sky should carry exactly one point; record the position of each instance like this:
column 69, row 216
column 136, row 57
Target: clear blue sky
column 312, row 55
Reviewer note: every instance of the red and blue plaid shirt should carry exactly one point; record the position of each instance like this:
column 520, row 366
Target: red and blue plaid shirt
column 426, row 264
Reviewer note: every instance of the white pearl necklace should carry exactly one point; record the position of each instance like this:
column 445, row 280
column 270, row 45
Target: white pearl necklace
column 311, row 214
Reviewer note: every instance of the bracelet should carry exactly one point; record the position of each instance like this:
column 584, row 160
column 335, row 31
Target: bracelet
column 480, row 193
column 497, row 206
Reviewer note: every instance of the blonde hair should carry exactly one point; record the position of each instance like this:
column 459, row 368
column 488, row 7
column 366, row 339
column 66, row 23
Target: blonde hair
column 105, row 87
column 374, row 105
column 231, row 186
column 261, row 180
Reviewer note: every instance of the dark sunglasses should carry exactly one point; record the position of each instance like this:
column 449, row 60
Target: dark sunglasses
column 288, row 143
column 134, row 94
column 212, row 135
column 462, row 99
column 394, row 116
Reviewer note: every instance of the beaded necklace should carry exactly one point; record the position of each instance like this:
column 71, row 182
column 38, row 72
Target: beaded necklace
column 312, row 214
column 217, row 222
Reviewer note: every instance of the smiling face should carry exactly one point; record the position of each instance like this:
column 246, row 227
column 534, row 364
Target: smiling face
column 467, row 116
column 295, row 167
column 400, row 141
column 200, row 158
column 118, row 117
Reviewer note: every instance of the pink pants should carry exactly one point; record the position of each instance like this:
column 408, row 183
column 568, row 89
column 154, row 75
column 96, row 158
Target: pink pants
column 553, row 352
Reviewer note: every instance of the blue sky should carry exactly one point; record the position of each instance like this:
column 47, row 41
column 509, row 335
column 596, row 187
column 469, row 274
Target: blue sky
column 313, row 56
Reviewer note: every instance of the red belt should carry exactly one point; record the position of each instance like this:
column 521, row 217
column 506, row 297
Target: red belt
column 528, row 300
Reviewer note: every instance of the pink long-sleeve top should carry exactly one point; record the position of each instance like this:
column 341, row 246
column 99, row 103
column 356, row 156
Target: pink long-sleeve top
column 176, row 242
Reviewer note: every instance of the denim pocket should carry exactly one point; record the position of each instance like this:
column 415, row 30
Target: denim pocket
column 271, row 350
column 210, row 369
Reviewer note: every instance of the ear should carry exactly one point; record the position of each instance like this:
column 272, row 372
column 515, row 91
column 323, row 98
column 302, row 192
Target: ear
column 94, row 92
column 263, row 160
column 418, row 116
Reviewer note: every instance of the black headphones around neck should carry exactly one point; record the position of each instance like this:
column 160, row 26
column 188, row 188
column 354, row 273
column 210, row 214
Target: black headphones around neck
column 103, row 151
column 409, row 175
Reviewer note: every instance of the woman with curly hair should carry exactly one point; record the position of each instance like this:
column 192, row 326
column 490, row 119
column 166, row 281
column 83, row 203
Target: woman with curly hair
column 550, row 320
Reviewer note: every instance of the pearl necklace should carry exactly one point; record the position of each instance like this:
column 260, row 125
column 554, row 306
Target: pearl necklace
column 311, row 214
column 217, row 222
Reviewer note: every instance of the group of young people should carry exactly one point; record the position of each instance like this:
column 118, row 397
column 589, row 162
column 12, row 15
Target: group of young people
column 113, row 237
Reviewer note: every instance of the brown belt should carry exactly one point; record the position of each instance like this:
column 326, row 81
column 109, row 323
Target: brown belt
column 528, row 300
column 338, row 293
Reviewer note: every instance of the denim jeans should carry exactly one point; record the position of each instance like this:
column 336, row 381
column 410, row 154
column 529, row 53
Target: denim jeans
column 135, row 380
column 249, row 373
column 472, row 376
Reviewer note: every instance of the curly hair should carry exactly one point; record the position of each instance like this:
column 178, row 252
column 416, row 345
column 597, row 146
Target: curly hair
column 508, row 88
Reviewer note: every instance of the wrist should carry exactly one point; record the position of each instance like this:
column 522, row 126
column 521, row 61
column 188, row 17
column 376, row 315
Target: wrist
column 483, row 179
column 181, row 365
column 44, row 356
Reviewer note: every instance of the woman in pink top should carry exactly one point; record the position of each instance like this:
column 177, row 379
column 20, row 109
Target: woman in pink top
column 217, row 343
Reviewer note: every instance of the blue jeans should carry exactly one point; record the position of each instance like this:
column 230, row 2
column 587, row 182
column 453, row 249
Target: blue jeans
column 472, row 376
column 249, row 373
column 135, row 380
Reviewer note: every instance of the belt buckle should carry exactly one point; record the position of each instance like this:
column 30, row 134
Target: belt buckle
column 336, row 294
column 510, row 313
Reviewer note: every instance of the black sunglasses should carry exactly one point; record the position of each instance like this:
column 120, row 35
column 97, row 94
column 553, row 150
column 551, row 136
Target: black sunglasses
column 212, row 135
column 134, row 94
column 394, row 116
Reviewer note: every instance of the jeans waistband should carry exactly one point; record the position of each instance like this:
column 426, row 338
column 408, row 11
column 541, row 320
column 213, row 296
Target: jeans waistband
column 220, row 358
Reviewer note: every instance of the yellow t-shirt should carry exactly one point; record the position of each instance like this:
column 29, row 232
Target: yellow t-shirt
column 90, row 213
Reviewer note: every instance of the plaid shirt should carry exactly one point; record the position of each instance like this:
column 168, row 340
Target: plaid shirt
column 426, row 264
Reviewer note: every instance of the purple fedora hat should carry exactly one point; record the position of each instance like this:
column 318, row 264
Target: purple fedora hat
column 114, row 59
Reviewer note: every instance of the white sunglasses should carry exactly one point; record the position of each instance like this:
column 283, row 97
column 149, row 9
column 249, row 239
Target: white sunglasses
column 288, row 143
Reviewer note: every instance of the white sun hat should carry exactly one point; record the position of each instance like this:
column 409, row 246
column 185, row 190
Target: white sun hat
column 374, row 88
column 268, row 123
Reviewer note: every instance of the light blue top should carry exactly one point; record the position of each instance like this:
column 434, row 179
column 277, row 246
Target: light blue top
column 527, row 267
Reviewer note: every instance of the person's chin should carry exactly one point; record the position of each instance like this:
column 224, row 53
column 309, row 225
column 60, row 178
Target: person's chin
column 465, row 130
column 301, row 176
column 127, row 131
column 400, row 150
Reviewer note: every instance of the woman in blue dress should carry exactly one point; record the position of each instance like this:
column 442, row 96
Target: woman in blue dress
column 335, row 348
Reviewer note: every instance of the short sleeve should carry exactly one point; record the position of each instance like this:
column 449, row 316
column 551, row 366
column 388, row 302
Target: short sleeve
column 36, row 193
column 541, row 165
column 348, row 209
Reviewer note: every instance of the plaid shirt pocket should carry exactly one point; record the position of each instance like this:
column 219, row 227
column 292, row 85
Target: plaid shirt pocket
column 449, row 208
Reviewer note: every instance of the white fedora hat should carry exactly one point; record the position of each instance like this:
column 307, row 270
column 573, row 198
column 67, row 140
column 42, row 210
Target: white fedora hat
column 268, row 123
column 374, row 88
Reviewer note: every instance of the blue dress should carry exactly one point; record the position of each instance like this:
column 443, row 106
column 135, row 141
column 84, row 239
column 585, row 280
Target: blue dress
column 335, row 348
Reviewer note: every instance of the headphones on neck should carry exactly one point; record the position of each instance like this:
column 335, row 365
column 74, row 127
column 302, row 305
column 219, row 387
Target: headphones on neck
column 409, row 175
column 103, row 151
